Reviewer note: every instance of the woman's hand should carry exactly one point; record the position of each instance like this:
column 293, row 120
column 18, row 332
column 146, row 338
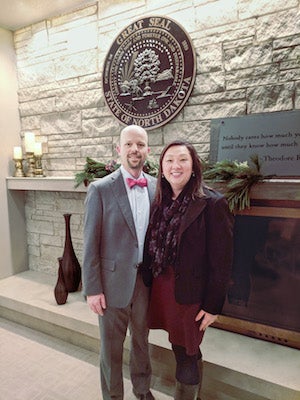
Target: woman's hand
column 207, row 319
column 97, row 303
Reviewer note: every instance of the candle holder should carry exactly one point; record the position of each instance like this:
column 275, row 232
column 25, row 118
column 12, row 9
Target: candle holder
column 30, row 164
column 38, row 167
column 19, row 168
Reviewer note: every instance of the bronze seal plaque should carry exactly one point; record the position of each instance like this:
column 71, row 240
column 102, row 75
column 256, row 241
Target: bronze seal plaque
column 149, row 72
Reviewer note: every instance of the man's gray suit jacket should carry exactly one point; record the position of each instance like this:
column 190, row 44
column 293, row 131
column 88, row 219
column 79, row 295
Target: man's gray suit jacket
column 110, row 253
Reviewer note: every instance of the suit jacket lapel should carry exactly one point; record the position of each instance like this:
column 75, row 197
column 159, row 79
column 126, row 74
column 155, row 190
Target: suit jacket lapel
column 119, row 190
column 194, row 209
column 151, row 188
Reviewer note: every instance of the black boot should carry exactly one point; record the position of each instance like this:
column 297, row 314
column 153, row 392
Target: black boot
column 200, row 368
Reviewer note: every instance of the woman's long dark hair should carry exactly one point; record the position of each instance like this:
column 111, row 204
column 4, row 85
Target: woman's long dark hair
column 196, row 181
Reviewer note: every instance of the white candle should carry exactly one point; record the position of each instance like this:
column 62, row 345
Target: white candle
column 29, row 142
column 18, row 153
column 38, row 148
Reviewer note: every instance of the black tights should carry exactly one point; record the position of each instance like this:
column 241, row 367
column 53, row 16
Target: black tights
column 187, row 371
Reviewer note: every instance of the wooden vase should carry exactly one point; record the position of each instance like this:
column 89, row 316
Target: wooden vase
column 70, row 266
column 60, row 291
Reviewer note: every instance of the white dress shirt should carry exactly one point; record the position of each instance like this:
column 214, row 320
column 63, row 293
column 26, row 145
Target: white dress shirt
column 140, row 206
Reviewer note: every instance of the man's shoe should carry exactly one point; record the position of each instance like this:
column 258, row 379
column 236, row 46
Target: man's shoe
column 147, row 396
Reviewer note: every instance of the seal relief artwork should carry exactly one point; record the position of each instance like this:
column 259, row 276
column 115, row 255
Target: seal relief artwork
column 149, row 72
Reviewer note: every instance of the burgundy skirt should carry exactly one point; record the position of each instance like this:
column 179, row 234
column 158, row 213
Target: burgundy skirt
column 177, row 319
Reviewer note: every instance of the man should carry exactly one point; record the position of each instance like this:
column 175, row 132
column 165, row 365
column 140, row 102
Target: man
column 116, row 218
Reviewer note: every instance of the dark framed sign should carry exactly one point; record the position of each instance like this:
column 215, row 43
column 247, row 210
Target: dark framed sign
column 149, row 72
column 274, row 137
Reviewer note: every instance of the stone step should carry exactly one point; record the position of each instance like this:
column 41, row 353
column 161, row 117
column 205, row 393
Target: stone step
column 236, row 367
column 28, row 298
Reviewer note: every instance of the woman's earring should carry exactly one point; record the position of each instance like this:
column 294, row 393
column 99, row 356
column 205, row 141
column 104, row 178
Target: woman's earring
column 193, row 174
column 162, row 175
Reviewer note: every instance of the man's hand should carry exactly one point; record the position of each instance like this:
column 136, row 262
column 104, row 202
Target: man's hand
column 207, row 319
column 97, row 303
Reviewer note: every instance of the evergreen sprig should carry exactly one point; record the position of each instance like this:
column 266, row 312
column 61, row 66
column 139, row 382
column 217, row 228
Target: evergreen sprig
column 239, row 178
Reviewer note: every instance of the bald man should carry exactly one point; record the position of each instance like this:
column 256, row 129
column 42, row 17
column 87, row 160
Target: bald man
column 117, row 210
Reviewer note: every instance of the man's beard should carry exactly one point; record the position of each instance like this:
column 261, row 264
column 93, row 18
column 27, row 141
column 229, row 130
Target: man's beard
column 139, row 165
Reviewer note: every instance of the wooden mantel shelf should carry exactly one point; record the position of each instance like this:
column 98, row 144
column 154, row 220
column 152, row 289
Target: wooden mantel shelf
column 272, row 189
column 275, row 189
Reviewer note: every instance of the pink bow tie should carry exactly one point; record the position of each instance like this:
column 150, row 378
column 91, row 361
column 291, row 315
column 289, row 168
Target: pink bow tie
column 142, row 182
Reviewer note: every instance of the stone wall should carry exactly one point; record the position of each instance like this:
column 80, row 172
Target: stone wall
column 248, row 61
column 46, row 227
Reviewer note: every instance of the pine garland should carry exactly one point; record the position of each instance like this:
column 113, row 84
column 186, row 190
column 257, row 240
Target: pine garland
column 96, row 169
column 238, row 177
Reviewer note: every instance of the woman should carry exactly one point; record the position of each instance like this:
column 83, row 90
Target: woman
column 187, row 260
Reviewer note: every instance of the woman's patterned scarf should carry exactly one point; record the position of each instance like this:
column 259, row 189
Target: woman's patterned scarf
column 163, row 232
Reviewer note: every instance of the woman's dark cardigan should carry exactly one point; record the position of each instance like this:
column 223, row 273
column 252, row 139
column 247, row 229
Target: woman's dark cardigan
column 205, row 252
